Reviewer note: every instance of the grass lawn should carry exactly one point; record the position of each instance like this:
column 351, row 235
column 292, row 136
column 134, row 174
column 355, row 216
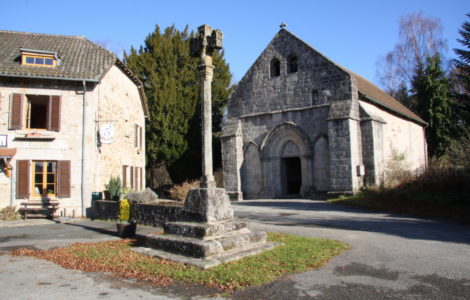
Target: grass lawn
column 447, row 205
column 298, row 254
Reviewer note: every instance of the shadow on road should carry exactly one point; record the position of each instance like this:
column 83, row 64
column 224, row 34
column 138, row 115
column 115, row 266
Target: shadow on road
column 316, row 213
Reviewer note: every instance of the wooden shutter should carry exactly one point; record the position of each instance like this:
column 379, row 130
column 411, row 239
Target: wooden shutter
column 64, row 179
column 53, row 122
column 132, row 177
column 22, row 179
column 141, row 179
column 136, row 178
column 16, row 112
column 124, row 176
column 140, row 137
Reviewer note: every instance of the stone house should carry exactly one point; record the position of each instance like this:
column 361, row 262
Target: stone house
column 300, row 124
column 71, row 116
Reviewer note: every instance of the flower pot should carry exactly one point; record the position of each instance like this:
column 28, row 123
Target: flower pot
column 126, row 229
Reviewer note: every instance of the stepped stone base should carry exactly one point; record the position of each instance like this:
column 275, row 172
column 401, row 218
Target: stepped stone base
column 207, row 233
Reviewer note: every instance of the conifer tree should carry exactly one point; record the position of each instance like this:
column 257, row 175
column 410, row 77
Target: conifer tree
column 433, row 104
column 171, row 83
column 462, row 76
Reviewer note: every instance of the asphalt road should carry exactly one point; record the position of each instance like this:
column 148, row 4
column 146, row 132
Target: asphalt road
column 391, row 257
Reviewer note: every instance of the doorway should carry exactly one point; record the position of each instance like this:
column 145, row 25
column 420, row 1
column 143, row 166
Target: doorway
column 292, row 175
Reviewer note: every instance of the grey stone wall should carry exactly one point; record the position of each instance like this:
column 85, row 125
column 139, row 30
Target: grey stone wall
column 262, row 102
column 144, row 214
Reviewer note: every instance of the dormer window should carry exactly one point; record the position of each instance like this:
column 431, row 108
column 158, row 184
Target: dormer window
column 38, row 58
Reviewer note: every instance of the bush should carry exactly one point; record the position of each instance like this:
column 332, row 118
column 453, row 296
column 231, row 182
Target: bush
column 9, row 213
column 124, row 210
column 114, row 188
column 180, row 191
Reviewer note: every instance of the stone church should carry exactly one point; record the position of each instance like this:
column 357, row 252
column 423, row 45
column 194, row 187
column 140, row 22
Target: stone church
column 300, row 124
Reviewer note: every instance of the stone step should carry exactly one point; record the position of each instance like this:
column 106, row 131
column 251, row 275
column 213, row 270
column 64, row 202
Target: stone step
column 203, row 230
column 195, row 247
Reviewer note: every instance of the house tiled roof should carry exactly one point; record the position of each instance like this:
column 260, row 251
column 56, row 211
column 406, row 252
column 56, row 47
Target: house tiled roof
column 369, row 91
column 80, row 59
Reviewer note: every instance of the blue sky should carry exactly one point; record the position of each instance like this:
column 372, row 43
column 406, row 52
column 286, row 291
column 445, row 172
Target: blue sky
column 351, row 33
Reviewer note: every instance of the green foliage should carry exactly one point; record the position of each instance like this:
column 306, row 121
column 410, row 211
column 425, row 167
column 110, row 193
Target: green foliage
column 462, row 77
column 124, row 210
column 9, row 213
column 433, row 103
column 441, row 191
column 171, row 82
column 114, row 188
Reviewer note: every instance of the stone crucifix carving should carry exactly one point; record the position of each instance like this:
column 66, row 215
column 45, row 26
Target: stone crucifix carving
column 206, row 42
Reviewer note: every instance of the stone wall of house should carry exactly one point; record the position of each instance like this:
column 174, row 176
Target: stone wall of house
column 62, row 145
column 118, row 104
column 114, row 101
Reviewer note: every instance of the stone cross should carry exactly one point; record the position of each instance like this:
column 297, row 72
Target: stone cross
column 202, row 46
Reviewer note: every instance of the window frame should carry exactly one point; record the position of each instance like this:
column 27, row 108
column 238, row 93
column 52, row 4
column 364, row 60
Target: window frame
column 44, row 182
column 37, row 57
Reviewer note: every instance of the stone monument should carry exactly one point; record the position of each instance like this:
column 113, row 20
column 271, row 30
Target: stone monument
column 206, row 234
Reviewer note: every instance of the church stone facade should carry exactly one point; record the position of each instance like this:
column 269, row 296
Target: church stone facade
column 300, row 124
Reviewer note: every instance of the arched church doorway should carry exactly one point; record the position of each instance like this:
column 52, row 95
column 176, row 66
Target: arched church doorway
column 286, row 157
column 292, row 175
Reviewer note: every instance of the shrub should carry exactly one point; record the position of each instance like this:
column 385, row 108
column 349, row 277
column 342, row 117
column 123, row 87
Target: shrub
column 9, row 213
column 124, row 210
column 180, row 191
column 397, row 170
column 114, row 188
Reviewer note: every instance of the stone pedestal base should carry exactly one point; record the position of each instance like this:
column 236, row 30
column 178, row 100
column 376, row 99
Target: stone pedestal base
column 207, row 233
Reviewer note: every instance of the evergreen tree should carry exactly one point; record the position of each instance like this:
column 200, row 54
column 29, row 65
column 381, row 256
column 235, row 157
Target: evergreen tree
column 462, row 77
column 433, row 104
column 171, row 82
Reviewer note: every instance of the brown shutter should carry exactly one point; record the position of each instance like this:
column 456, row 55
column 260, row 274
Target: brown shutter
column 16, row 112
column 22, row 179
column 63, row 179
column 54, row 113
column 132, row 177
column 140, row 137
column 141, row 179
column 136, row 178
column 124, row 176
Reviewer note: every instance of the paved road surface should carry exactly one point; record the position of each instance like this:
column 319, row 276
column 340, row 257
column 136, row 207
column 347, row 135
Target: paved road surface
column 392, row 257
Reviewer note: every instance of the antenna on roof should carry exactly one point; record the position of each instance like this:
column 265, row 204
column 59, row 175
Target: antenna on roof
column 283, row 25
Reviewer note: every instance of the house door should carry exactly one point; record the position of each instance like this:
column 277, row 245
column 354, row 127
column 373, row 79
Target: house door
column 292, row 175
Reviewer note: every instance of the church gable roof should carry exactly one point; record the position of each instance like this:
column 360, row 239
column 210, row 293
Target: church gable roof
column 367, row 90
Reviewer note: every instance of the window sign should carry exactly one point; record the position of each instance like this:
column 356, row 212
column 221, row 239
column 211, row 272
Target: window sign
column 3, row 140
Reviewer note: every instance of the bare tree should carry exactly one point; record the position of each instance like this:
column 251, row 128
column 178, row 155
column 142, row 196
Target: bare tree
column 419, row 37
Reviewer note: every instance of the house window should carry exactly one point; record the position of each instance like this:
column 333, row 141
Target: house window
column 44, row 178
column 138, row 133
column 275, row 69
column 35, row 112
column 292, row 64
column 38, row 58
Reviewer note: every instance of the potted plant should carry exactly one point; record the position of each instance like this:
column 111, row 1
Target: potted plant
column 125, row 226
column 114, row 188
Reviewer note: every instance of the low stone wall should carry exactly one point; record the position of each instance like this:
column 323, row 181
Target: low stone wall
column 144, row 214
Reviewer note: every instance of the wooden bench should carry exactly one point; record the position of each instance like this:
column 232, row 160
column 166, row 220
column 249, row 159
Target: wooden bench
column 39, row 209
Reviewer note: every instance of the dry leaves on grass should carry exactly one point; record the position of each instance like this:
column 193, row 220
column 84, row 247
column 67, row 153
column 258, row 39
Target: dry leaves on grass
column 74, row 257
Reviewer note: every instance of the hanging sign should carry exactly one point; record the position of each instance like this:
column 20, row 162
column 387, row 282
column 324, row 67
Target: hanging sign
column 107, row 132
